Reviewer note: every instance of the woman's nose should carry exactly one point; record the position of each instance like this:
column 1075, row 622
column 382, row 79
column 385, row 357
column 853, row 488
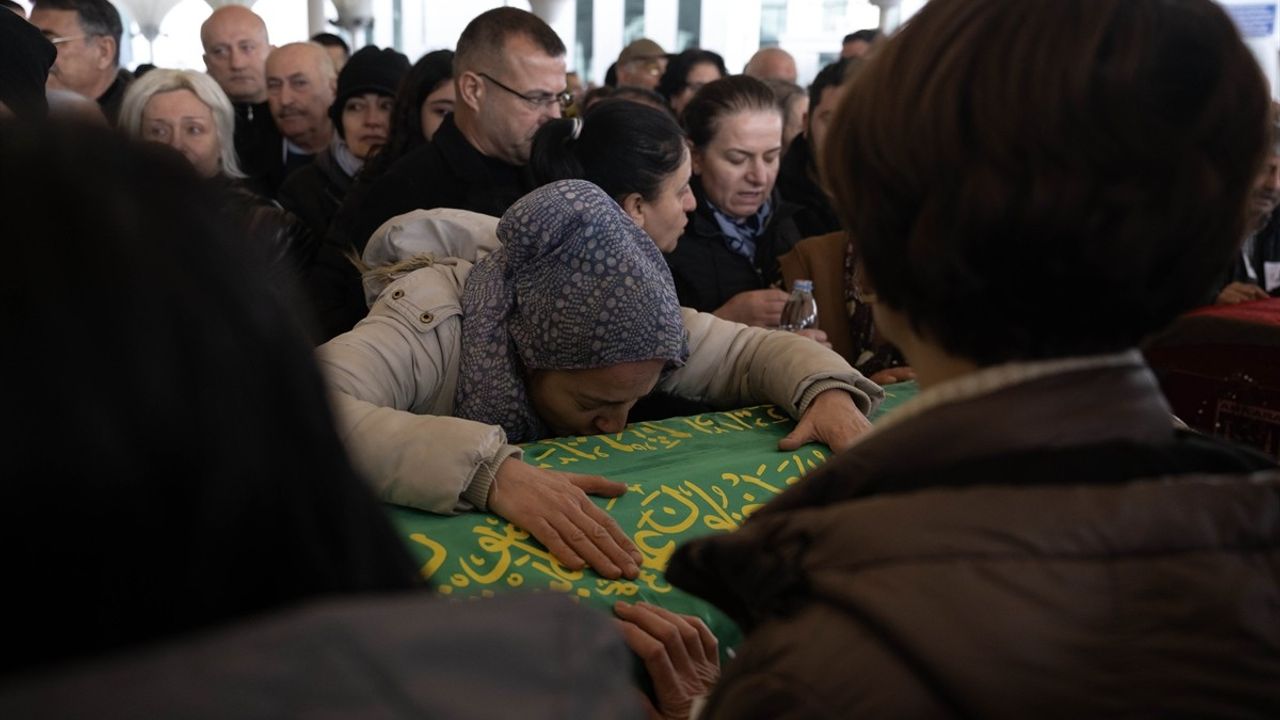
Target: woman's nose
column 611, row 423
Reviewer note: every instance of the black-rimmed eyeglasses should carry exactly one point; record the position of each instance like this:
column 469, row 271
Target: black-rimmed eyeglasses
column 538, row 101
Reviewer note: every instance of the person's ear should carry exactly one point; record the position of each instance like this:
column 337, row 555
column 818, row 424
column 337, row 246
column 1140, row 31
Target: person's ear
column 470, row 90
column 695, row 160
column 633, row 205
column 106, row 49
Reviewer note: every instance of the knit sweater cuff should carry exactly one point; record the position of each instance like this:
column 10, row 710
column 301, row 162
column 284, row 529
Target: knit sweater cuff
column 859, row 398
column 481, row 486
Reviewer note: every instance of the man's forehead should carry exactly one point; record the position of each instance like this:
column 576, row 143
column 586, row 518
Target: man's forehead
column 236, row 26
column 296, row 61
column 57, row 20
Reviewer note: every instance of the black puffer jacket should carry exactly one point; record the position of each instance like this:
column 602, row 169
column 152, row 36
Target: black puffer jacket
column 707, row 273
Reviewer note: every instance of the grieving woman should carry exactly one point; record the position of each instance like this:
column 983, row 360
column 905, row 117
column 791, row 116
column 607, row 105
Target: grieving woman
column 554, row 322
column 727, row 260
column 1030, row 536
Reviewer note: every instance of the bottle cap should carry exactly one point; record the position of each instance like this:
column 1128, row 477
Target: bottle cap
column 803, row 285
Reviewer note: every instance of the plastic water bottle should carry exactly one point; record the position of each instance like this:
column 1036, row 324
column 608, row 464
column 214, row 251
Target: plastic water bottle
column 801, row 311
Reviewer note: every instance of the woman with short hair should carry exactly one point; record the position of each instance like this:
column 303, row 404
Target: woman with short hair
column 1031, row 535
column 189, row 112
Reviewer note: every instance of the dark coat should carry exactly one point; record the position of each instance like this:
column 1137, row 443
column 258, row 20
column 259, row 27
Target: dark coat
column 1052, row 548
column 259, row 147
column 111, row 100
column 446, row 172
column 1266, row 250
column 707, row 273
column 314, row 193
column 797, row 184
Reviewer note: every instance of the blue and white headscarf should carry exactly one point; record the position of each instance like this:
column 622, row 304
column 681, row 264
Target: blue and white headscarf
column 576, row 284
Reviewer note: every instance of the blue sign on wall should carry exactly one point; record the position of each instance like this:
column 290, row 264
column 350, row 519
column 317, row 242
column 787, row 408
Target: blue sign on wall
column 1255, row 20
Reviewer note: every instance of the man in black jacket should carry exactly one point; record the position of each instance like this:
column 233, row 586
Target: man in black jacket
column 798, row 174
column 235, row 54
column 87, row 34
column 509, row 72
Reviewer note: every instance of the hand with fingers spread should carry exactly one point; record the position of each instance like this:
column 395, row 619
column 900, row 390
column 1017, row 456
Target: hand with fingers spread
column 758, row 308
column 554, row 508
column 679, row 652
column 831, row 418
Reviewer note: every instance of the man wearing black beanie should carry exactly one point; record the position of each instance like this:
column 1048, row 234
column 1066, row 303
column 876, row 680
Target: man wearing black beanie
column 25, row 59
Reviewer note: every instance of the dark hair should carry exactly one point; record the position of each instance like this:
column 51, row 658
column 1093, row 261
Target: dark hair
column 611, row 75
column 593, row 96
column 866, row 36
column 328, row 39
column 676, row 77
column 643, row 96
column 425, row 77
column 1057, row 193
column 722, row 98
column 190, row 472
column 96, row 17
column 828, row 77
column 484, row 37
column 785, row 92
column 623, row 147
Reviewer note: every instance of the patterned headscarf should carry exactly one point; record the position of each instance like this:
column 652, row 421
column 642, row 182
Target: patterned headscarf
column 576, row 284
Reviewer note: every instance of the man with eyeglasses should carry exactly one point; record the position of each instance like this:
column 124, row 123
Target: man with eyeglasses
column 509, row 74
column 235, row 55
column 641, row 64
column 87, row 35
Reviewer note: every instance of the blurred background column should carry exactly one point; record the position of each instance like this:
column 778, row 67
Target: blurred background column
column 562, row 16
column 890, row 15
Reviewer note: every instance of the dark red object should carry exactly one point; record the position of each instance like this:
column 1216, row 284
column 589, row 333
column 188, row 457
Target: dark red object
column 1219, row 367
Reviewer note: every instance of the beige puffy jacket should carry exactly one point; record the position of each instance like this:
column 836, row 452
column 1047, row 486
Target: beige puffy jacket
column 395, row 375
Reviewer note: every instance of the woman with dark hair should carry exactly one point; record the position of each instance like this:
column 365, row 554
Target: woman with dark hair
column 727, row 261
column 175, row 465
column 685, row 75
column 361, row 114
column 1031, row 535
column 424, row 98
column 635, row 153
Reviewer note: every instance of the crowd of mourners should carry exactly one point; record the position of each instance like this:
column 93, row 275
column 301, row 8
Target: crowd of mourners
column 249, row 305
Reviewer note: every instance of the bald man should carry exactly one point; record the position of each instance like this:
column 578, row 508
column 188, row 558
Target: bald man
column 301, row 84
column 235, row 55
column 771, row 63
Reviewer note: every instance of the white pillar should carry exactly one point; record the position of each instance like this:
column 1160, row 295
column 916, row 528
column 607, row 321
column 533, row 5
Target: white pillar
column 662, row 22
column 562, row 16
column 607, row 19
column 316, row 20
column 731, row 28
column 890, row 15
